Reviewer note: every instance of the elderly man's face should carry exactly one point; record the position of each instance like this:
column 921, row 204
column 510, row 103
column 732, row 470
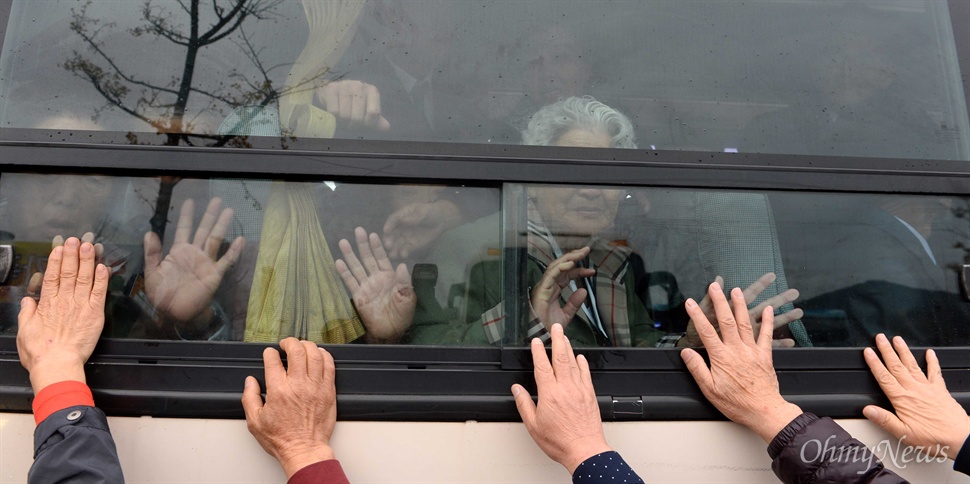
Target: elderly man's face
column 578, row 211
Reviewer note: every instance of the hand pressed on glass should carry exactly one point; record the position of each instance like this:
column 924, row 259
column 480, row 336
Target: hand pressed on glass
column 754, row 314
column 296, row 421
column 181, row 286
column 56, row 335
column 566, row 422
column 383, row 295
column 417, row 225
column 33, row 285
column 741, row 380
column 926, row 414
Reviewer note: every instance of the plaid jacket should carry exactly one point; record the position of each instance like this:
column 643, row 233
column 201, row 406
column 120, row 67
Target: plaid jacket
column 624, row 319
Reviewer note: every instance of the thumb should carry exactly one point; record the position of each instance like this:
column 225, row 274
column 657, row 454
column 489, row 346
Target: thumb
column 383, row 124
column 885, row 419
column 527, row 408
column 252, row 402
column 698, row 369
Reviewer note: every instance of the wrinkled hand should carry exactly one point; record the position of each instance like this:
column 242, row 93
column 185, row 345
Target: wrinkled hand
column 741, row 381
column 298, row 418
column 33, row 285
column 354, row 103
column 750, row 294
column 56, row 335
column 926, row 414
column 182, row 285
column 566, row 424
column 545, row 296
column 382, row 295
column 417, row 225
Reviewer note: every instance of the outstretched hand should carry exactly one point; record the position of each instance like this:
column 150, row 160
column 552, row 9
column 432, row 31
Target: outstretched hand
column 754, row 314
column 181, row 285
column 559, row 273
column 383, row 296
column 741, row 380
column 295, row 423
column 926, row 414
column 417, row 225
column 566, row 423
column 56, row 335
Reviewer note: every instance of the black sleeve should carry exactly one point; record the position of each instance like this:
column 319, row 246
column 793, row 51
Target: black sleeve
column 962, row 461
column 75, row 445
column 812, row 449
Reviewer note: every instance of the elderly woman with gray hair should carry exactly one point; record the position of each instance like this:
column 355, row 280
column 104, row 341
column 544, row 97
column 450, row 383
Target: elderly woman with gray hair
column 577, row 275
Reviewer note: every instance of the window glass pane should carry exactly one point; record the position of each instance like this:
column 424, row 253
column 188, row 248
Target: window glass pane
column 863, row 78
column 858, row 264
column 257, row 260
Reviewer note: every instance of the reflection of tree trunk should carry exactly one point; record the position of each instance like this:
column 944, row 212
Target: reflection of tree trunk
column 160, row 219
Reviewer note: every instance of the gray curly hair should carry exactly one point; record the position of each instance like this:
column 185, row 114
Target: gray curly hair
column 554, row 120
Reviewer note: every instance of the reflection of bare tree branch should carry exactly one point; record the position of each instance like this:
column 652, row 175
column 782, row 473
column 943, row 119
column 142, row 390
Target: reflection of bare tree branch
column 163, row 105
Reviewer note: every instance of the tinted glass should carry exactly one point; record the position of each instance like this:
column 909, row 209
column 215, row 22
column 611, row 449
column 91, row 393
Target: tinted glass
column 252, row 260
column 258, row 260
column 838, row 268
column 861, row 78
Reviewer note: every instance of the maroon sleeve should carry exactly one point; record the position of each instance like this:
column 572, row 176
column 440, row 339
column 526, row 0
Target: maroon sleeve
column 325, row 471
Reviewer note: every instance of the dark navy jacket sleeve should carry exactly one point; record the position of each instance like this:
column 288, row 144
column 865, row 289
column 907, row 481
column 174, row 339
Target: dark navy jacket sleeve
column 606, row 467
column 74, row 445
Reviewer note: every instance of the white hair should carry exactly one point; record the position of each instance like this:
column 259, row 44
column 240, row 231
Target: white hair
column 585, row 113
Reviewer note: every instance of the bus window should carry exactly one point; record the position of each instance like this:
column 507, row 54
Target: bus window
column 240, row 260
column 859, row 79
column 397, row 181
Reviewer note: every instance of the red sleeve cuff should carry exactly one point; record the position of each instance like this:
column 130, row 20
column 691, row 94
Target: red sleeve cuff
column 58, row 396
column 328, row 471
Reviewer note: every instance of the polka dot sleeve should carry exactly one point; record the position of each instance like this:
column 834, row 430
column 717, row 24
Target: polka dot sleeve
column 607, row 467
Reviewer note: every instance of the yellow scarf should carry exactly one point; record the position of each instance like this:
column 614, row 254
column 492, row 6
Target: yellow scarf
column 296, row 290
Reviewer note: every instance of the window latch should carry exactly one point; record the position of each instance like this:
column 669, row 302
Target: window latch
column 6, row 262
column 627, row 408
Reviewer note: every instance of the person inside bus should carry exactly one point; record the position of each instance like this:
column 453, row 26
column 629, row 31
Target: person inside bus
column 742, row 384
column 153, row 295
column 578, row 275
column 900, row 259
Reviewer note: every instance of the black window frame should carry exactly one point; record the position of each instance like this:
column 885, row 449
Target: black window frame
column 204, row 380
